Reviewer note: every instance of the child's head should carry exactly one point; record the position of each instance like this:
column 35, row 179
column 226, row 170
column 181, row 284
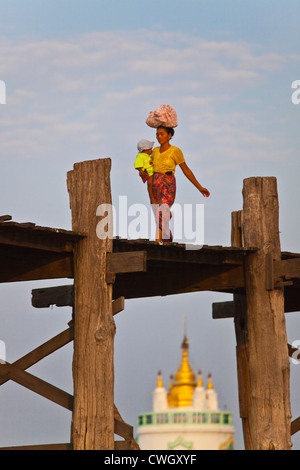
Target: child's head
column 145, row 146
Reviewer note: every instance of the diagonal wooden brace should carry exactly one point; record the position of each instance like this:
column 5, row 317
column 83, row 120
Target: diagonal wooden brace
column 16, row 371
column 124, row 430
column 39, row 386
column 42, row 351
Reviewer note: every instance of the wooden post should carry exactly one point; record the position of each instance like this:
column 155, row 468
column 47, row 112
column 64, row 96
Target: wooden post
column 241, row 333
column 269, row 373
column 93, row 362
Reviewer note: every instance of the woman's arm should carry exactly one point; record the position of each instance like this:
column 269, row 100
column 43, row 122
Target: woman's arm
column 190, row 175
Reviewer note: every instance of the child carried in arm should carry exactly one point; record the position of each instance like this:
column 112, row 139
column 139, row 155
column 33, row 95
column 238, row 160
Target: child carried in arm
column 144, row 164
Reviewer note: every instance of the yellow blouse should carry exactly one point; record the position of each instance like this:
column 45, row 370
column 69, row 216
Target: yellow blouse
column 166, row 161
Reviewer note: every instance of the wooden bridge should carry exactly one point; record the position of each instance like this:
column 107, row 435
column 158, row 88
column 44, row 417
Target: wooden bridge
column 264, row 281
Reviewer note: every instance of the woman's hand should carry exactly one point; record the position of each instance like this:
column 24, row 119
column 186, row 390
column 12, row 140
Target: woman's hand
column 204, row 192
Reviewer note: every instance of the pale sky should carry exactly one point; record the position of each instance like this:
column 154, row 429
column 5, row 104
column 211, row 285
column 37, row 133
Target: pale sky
column 81, row 78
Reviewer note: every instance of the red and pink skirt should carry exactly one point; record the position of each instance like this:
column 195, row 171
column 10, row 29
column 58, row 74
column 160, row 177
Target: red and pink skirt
column 164, row 190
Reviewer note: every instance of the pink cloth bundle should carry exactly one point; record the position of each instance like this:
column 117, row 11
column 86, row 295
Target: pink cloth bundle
column 164, row 115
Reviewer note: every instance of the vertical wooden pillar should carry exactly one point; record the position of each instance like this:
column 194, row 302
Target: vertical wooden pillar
column 241, row 332
column 268, row 353
column 93, row 362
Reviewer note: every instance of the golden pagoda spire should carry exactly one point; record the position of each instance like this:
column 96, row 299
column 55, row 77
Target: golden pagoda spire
column 199, row 380
column 182, row 390
column 159, row 383
column 170, row 398
column 209, row 382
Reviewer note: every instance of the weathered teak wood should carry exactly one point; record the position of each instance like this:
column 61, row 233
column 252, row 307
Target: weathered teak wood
column 65, row 446
column 223, row 310
column 29, row 252
column 280, row 272
column 242, row 357
column 124, row 430
column 288, row 268
column 295, row 426
column 294, row 352
column 270, row 412
column 93, row 363
column 16, row 372
column 29, row 235
column 39, row 386
column 121, row 445
column 237, row 233
column 118, row 445
column 118, row 305
column 177, row 278
column 126, row 262
column 58, row 396
column 226, row 309
column 269, row 276
column 61, row 296
column 117, row 270
column 4, row 218
column 26, row 264
column 178, row 252
column 172, row 269
column 239, row 310
column 42, row 351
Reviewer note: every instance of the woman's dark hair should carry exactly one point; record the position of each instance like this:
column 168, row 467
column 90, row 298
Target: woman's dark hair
column 169, row 130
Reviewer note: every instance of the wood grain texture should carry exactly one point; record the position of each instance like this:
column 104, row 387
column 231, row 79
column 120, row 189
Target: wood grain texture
column 269, row 369
column 93, row 362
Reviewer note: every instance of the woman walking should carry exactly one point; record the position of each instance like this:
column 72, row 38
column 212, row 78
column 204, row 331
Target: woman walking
column 165, row 159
